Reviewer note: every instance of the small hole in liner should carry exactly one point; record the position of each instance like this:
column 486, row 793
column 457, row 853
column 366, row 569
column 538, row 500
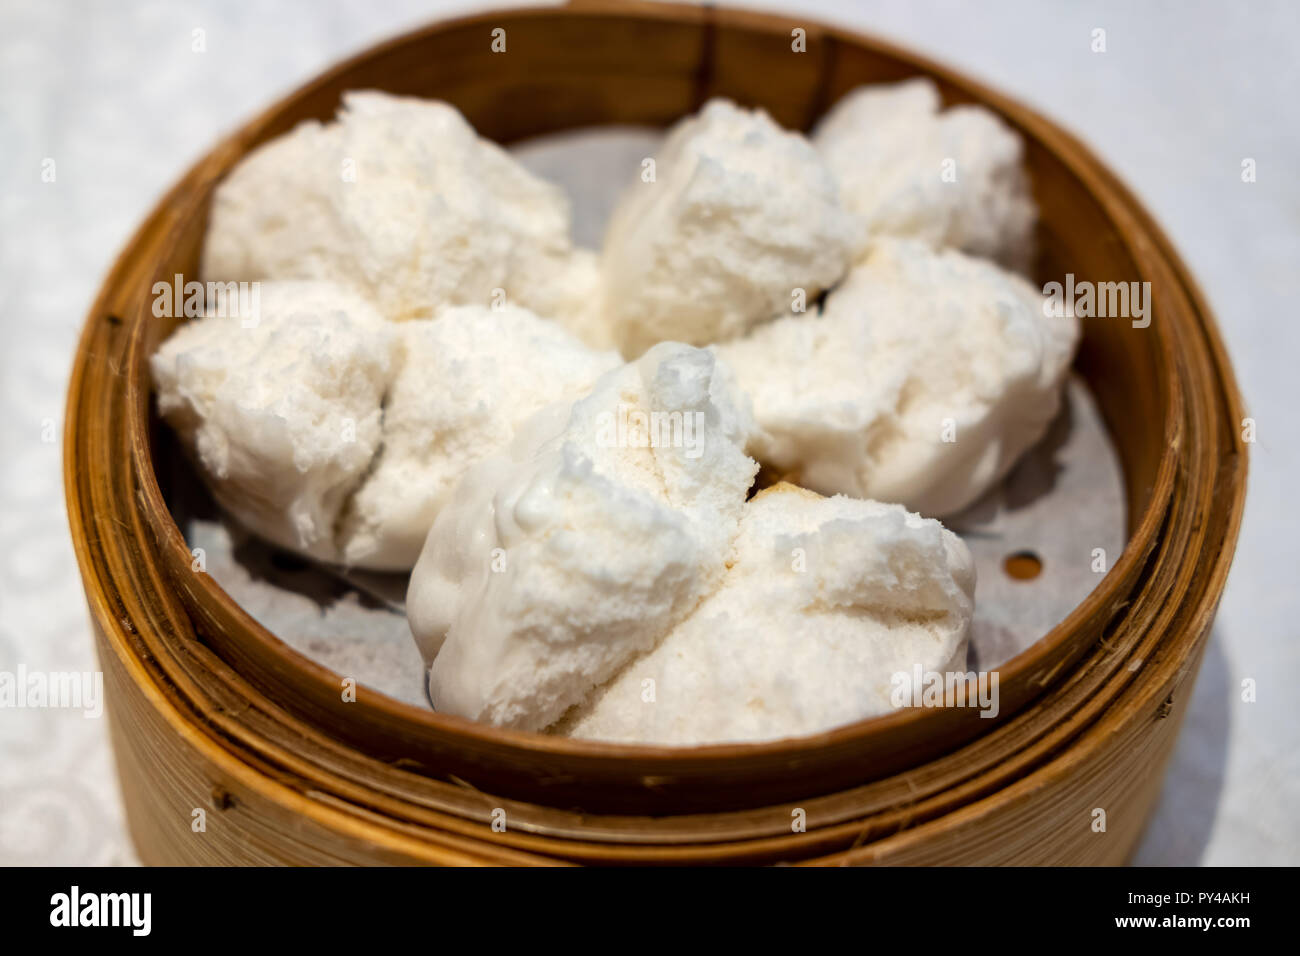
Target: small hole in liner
column 1023, row 565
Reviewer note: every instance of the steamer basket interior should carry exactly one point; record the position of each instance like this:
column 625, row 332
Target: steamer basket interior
column 627, row 64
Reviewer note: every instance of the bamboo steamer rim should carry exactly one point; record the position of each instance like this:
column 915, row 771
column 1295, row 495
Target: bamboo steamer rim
column 1052, row 662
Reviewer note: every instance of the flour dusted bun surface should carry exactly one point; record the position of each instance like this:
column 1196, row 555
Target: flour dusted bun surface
column 280, row 406
column 953, row 178
column 331, row 432
column 556, row 563
column 923, row 379
column 465, row 381
column 739, row 215
column 824, row 602
column 398, row 198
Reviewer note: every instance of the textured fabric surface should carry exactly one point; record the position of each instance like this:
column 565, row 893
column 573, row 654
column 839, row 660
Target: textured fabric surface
column 117, row 96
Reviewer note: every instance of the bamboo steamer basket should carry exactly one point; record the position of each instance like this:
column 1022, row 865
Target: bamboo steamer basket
column 209, row 711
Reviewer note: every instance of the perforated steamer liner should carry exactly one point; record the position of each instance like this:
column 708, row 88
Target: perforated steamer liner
column 209, row 710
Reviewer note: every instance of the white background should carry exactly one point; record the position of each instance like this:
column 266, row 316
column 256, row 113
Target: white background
column 1184, row 92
